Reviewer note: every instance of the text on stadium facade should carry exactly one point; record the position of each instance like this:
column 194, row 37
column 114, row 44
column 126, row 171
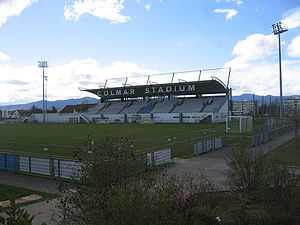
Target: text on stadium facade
column 148, row 90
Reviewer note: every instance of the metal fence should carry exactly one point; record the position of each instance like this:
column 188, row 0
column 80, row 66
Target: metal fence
column 159, row 157
column 208, row 145
column 271, row 129
column 63, row 168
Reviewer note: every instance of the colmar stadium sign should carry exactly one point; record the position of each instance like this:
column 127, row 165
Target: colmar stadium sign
column 187, row 88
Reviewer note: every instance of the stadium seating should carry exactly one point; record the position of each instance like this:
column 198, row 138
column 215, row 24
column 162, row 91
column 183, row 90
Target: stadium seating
column 189, row 106
column 95, row 109
column 115, row 107
column 164, row 106
column 137, row 106
column 214, row 104
column 149, row 107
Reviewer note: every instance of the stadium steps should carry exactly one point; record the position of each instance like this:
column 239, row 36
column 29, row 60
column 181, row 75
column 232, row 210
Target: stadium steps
column 148, row 108
column 178, row 103
column 104, row 107
column 190, row 105
column 126, row 106
column 203, row 107
column 136, row 106
column 84, row 118
column 95, row 109
column 215, row 105
column 114, row 108
column 163, row 106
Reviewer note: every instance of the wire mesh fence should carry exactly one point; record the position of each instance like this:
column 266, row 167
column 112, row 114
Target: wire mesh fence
column 263, row 130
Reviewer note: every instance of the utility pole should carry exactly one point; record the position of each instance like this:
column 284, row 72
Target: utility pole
column 277, row 30
column 296, row 123
column 43, row 64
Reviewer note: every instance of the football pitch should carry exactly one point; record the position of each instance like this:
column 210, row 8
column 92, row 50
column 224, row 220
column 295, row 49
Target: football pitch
column 63, row 139
column 287, row 154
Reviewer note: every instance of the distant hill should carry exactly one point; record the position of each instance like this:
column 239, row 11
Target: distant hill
column 259, row 98
column 58, row 104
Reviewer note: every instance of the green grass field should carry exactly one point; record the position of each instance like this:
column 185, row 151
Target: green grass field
column 287, row 154
column 62, row 139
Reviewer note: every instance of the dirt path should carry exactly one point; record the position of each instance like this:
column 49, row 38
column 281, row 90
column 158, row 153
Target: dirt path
column 44, row 211
column 39, row 184
column 213, row 165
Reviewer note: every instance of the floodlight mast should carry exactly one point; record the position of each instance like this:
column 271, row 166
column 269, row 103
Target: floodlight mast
column 277, row 30
column 43, row 64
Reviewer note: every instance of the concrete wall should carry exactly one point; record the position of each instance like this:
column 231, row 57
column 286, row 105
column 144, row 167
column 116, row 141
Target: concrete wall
column 131, row 118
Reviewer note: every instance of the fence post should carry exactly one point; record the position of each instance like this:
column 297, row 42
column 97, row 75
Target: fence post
column 58, row 165
column 51, row 167
column 5, row 161
column 29, row 161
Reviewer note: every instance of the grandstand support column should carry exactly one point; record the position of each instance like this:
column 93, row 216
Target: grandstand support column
column 125, row 83
column 172, row 77
column 199, row 77
column 148, row 79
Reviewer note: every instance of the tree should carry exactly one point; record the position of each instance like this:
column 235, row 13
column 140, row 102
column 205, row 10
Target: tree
column 14, row 215
column 117, row 188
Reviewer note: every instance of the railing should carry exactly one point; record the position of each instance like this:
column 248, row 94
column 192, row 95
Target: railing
column 64, row 168
column 270, row 130
column 208, row 145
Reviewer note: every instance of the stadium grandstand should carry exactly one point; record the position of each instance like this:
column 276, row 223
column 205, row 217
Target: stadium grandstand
column 185, row 101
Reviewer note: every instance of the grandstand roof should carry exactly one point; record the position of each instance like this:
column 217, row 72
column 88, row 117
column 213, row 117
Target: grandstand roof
column 183, row 88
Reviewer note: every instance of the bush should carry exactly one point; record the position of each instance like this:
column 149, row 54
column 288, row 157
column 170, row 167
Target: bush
column 267, row 191
column 14, row 215
column 116, row 188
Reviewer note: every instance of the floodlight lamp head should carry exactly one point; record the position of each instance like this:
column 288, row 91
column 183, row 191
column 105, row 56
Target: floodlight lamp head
column 278, row 28
column 43, row 64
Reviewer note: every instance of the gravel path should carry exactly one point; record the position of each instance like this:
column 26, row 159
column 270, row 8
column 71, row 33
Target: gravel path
column 40, row 184
column 213, row 165
column 44, row 212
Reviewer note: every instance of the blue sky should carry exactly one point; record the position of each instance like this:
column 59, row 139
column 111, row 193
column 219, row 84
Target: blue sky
column 87, row 41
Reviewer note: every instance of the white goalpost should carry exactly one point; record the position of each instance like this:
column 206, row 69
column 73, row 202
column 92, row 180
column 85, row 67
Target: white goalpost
column 240, row 124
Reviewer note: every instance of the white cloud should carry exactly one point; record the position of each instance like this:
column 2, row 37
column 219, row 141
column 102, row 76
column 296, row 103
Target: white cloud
column 263, row 78
column 10, row 8
column 110, row 10
column 255, row 71
column 23, row 84
column 294, row 47
column 4, row 56
column 148, row 7
column 229, row 13
column 254, row 47
column 292, row 18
